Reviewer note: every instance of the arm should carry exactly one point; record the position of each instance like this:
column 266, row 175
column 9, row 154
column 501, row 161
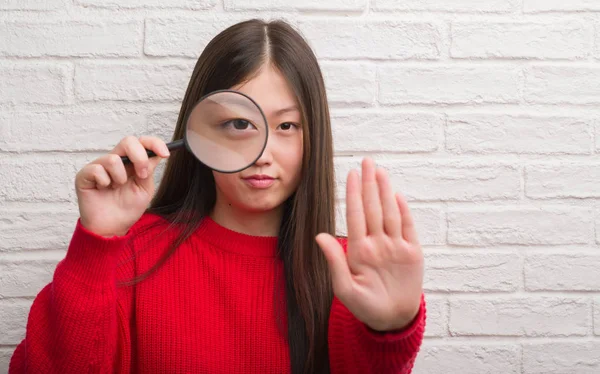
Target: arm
column 74, row 322
column 356, row 348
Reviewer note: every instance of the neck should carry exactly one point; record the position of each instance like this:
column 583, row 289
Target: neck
column 264, row 223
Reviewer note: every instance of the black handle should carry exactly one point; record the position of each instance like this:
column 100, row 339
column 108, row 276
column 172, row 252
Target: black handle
column 170, row 146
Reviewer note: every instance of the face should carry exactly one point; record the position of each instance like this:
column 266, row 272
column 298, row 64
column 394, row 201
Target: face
column 274, row 177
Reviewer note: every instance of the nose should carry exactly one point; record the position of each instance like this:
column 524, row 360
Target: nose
column 266, row 157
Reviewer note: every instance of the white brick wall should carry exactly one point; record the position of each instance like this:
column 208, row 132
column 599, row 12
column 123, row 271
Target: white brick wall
column 485, row 112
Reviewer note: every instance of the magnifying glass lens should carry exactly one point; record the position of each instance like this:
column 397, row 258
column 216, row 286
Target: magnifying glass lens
column 226, row 131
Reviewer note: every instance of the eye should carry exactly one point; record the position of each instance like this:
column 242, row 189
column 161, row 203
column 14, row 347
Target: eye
column 288, row 125
column 238, row 124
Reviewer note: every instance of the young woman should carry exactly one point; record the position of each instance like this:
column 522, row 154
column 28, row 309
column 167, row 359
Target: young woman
column 235, row 273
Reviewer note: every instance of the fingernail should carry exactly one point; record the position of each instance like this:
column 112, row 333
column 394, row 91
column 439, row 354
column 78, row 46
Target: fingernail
column 166, row 152
column 144, row 173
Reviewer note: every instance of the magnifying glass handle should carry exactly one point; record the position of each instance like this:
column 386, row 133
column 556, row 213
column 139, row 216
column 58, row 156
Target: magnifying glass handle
column 171, row 146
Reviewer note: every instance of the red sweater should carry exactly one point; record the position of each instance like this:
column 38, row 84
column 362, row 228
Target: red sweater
column 209, row 309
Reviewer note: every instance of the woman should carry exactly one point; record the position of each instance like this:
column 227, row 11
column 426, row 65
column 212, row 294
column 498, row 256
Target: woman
column 235, row 273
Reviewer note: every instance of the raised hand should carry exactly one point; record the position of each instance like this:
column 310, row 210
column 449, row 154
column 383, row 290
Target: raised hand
column 112, row 196
column 380, row 276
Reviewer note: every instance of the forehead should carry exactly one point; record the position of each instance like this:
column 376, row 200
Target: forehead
column 269, row 89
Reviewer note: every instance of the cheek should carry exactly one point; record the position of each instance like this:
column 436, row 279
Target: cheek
column 293, row 159
column 226, row 183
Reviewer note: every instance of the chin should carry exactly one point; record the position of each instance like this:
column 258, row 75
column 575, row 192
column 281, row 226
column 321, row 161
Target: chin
column 260, row 208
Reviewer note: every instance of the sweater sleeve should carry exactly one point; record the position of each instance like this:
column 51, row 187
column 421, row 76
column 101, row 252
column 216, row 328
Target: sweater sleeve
column 75, row 324
column 355, row 348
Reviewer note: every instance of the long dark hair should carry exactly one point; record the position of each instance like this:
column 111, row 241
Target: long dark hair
column 187, row 190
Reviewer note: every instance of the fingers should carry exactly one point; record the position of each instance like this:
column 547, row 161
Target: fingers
column 133, row 148
column 109, row 169
column 338, row 265
column 392, row 220
column 93, row 176
column 156, row 145
column 409, row 230
column 355, row 214
column 136, row 150
column 370, row 197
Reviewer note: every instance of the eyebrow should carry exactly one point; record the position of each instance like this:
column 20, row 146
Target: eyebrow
column 292, row 108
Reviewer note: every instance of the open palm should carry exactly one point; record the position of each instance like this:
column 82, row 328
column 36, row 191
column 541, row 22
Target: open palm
column 379, row 278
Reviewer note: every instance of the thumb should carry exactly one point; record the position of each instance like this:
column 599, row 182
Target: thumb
column 338, row 264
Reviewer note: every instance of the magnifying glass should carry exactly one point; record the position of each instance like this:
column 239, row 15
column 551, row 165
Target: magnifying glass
column 226, row 131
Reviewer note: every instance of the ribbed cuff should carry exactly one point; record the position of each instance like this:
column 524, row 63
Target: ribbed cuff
column 414, row 329
column 92, row 258
column 407, row 337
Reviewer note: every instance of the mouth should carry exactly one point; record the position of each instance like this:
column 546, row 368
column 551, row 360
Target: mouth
column 259, row 181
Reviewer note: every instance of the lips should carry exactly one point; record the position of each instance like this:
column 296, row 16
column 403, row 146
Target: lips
column 259, row 177
column 259, row 181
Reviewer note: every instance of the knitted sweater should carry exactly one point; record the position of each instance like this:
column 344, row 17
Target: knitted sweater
column 211, row 308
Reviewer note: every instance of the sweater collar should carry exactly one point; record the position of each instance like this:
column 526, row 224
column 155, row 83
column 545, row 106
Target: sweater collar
column 237, row 242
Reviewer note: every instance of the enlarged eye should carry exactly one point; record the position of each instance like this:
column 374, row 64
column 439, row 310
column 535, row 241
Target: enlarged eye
column 238, row 124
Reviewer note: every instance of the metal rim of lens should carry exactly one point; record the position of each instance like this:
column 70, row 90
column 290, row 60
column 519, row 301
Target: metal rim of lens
column 187, row 145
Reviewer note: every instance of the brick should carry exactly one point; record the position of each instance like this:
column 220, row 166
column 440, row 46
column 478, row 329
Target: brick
column 540, row 6
column 5, row 356
column 538, row 134
column 597, row 226
column 185, row 4
column 596, row 47
column 152, row 82
column 472, row 271
column 507, row 40
column 25, row 277
column 30, row 5
column 72, row 129
column 597, row 316
column 579, row 357
column 37, row 179
column 4, row 129
column 530, row 316
column 519, row 225
column 442, row 180
column 561, row 272
column 35, row 83
column 562, row 84
column 464, row 358
column 285, row 5
column 182, row 36
column 350, row 82
column 339, row 39
column 437, row 316
column 13, row 319
column 71, row 38
column 162, row 124
column 429, row 224
column 597, row 135
column 395, row 132
column 448, row 85
column 53, row 227
column 461, row 6
column 573, row 180
column 427, row 220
